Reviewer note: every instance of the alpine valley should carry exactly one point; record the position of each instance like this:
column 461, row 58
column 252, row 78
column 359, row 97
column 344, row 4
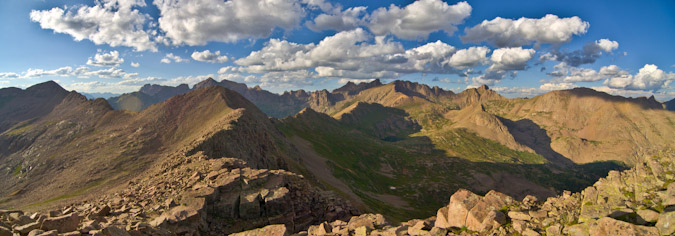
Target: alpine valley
column 396, row 158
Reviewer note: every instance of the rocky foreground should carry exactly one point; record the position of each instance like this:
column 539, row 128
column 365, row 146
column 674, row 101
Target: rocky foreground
column 193, row 195
column 639, row 201
column 200, row 196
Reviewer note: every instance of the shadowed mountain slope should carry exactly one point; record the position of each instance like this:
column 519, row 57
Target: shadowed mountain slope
column 17, row 105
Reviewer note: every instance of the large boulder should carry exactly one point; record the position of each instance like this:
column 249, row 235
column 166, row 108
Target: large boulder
column 371, row 221
column 607, row 226
column 270, row 230
column 475, row 212
column 460, row 204
column 62, row 224
column 25, row 229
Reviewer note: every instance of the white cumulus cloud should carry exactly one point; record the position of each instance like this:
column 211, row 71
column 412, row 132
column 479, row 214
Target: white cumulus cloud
column 111, row 58
column 510, row 58
column 135, row 64
column 469, row 57
column 356, row 54
column 503, row 32
column 111, row 22
column 649, row 78
column 419, row 19
column 170, row 57
column 208, row 56
column 571, row 74
column 350, row 18
column 607, row 45
column 196, row 22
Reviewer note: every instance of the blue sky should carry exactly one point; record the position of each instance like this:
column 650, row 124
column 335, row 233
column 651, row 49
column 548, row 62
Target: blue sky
column 519, row 48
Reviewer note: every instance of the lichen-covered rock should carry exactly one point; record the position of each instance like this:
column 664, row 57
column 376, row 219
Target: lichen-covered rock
column 647, row 216
column 666, row 223
column 519, row 215
column 607, row 226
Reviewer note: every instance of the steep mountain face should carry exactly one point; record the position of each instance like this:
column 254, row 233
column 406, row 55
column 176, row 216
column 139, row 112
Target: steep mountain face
column 17, row 105
column 476, row 119
column 585, row 126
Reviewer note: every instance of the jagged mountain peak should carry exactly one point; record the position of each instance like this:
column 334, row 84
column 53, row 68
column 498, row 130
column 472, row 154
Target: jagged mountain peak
column 205, row 83
column 351, row 88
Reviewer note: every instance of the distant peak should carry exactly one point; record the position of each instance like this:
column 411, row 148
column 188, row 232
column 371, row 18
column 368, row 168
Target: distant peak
column 46, row 87
column 484, row 87
column 205, row 83
column 46, row 84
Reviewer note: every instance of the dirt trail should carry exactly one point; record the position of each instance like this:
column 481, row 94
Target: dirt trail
column 317, row 165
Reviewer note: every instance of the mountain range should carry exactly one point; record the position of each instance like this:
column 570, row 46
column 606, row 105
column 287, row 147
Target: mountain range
column 228, row 153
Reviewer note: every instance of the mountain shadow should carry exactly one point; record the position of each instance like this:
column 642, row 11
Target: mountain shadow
column 528, row 133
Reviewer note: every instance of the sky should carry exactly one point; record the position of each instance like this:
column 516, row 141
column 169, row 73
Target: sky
column 518, row 48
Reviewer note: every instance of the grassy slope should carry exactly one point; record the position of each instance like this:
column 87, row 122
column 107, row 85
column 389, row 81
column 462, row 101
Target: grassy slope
column 427, row 166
